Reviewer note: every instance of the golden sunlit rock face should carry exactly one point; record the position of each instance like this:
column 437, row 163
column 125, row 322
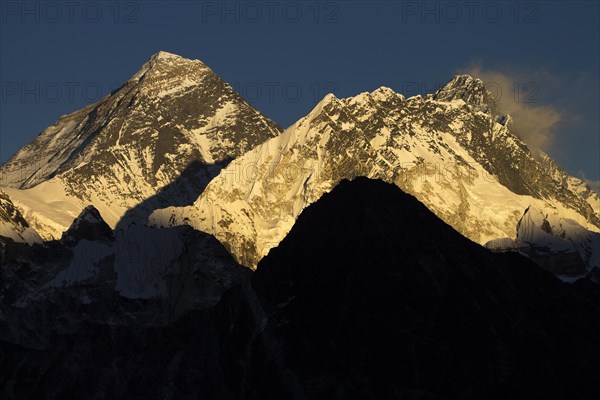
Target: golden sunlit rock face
column 448, row 149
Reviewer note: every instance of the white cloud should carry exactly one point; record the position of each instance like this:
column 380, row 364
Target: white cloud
column 519, row 96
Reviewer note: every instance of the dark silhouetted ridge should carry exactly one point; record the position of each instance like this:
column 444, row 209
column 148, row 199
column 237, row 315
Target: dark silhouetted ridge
column 370, row 296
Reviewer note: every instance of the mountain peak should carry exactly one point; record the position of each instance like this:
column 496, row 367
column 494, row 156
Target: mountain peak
column 464, row 81
column 88, row 225
column 163, row 65
column 126, row 148
column 353, row 255
column 380, row 95
column 384, row 93
column 164, row 55
column 90, row 214
column 471, row 90
column 328, row 99
column 384, row 90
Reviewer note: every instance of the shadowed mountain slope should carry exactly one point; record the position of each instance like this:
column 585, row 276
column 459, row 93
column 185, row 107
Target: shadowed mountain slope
column 370, row 296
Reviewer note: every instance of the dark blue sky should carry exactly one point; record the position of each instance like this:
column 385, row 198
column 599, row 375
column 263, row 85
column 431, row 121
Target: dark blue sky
column 284, row 56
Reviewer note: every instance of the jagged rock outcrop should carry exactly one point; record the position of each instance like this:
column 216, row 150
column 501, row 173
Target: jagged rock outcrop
column 89, row 225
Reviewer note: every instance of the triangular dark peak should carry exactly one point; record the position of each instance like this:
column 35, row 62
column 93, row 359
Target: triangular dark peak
column 88, row 225
column 371, row 292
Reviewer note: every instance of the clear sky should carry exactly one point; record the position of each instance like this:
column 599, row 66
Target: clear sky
column 56, row 57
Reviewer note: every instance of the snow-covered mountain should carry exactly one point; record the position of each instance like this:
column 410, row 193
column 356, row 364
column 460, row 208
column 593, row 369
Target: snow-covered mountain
column 159, row 140
column 12, row 223
column 450, row 150
column 558, row 244
column 175, row 120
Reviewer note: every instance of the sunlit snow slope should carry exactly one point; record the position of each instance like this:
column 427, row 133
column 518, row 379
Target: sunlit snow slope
column 450, row 150
column 12, row 223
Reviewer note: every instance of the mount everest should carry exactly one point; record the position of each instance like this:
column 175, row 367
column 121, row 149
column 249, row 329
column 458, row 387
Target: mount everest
column 172, row 115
